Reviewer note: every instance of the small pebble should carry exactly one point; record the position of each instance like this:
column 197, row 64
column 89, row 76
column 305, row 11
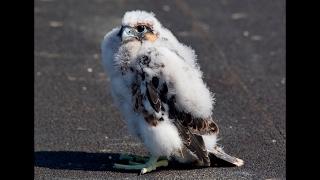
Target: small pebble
column 70, row 78
column 96, row 56
column 273, row 140
column 246, row 33
column 84, row 88
column 81, row 129
column 90, row 70
column 236, row 16
column 55, row 24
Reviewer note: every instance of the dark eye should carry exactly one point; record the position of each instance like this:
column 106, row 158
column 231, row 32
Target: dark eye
column 141, row 29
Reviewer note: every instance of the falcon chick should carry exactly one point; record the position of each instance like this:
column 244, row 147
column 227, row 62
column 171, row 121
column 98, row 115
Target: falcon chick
column 157, row 84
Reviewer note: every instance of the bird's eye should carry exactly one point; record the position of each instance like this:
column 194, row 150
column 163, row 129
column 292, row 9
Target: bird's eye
column 141, row 28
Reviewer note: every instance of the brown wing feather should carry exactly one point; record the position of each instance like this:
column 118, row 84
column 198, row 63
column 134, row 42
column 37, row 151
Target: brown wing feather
column 153, row 97
column 199, row 126
column 194, row 143
column 138, row 97
column 191, row 129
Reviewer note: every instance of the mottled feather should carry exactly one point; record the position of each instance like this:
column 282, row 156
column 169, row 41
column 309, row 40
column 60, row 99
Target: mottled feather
column 190, row 128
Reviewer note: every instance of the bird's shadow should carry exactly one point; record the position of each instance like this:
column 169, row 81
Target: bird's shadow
column 74, row 160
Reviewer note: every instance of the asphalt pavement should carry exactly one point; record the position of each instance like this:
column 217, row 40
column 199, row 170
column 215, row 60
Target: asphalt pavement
column 78, row 131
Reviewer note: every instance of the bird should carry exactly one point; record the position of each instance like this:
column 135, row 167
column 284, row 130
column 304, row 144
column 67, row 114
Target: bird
column 157, row 85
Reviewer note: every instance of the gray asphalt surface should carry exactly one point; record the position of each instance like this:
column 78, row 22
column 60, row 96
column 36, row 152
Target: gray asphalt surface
column 241, row 48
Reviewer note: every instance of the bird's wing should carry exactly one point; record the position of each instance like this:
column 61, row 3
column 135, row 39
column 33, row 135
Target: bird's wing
column 161, row 93
column 190, row 128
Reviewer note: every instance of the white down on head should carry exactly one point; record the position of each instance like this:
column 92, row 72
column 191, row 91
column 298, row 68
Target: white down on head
column 166, row 37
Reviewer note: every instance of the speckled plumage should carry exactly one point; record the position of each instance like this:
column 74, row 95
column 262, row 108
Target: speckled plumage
column 158, row 86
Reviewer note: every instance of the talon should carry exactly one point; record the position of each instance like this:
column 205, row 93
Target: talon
column 143, row 171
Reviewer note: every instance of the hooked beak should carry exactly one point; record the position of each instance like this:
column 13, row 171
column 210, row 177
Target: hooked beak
column 127, row 33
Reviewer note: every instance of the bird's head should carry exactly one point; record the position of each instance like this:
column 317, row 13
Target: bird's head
column 139, row 25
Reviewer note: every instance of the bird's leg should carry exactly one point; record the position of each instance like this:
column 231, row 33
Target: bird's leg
column 149, row 166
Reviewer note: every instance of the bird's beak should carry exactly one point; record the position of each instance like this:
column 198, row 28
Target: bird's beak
column 128, row 33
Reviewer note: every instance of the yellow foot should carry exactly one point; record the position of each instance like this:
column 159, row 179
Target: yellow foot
column 148, row 166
